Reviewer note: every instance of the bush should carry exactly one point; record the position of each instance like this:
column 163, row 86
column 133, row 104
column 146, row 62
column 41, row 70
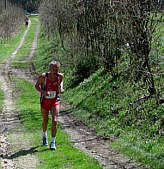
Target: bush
column 84, row 68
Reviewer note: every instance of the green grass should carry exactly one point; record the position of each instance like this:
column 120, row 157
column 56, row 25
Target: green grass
column 7, row 46
column 150, row 151
column 158, row 45
column 24, row 51
column 65, row 156
column 1, row 98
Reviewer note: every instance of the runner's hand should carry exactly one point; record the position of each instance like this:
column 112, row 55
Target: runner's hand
column 62, row 91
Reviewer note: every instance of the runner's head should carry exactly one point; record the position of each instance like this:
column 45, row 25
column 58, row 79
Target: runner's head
column 54, row 66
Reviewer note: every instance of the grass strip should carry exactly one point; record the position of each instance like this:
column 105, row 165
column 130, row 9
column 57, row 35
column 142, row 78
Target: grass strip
column 65, row 156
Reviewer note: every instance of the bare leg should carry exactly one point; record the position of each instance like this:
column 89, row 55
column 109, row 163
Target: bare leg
column 55, row 113
column 45, row 119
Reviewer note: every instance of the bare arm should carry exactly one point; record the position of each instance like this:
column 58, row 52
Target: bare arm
column 39, row 83
column 61, row 83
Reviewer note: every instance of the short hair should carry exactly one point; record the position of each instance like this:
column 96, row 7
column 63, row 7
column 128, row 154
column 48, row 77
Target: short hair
column 54, row 63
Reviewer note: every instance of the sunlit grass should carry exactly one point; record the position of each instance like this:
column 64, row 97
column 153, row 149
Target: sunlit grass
column 104, row 106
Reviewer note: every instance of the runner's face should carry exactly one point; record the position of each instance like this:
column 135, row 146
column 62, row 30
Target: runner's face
column 54, row 69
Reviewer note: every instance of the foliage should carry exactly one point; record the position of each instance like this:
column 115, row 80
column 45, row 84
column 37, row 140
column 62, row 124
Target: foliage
column 30, row 6
column 83, row 69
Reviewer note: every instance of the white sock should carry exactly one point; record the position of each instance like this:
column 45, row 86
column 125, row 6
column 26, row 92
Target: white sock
column 44, row 134
column 52, row 139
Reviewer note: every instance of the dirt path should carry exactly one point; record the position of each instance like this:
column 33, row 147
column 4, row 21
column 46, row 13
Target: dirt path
column 82, row 136
column 13, row 156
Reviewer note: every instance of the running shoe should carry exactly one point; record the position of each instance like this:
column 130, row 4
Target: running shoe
column 45, row 142
column 52, row 146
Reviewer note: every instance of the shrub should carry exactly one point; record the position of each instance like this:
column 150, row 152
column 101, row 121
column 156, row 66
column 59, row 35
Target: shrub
column 84, row 68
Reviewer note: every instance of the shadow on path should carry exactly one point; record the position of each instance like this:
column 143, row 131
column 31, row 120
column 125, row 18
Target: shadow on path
column 32, row 150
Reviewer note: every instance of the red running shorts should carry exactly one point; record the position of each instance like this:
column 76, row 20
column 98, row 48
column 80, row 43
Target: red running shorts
column 49, row 103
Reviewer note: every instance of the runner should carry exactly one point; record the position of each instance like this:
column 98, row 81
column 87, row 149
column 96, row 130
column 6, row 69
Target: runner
column 26, row 21
column 49, row 84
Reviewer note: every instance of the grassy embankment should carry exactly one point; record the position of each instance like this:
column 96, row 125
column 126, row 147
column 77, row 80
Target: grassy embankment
column 113, row 107
column 28, row 106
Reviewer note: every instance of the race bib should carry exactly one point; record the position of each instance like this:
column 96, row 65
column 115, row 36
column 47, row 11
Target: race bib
column 51, row 94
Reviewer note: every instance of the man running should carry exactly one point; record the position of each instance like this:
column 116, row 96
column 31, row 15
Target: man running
column 49, row 84
column 26, row 20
